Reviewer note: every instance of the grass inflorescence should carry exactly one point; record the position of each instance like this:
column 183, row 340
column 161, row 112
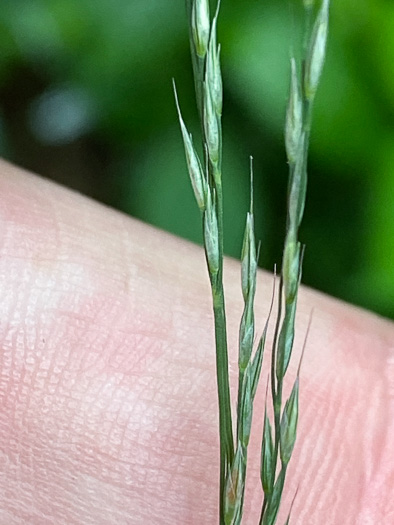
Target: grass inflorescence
column 279, row 436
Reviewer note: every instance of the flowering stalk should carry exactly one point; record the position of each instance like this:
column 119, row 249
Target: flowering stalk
column 206, row 178
column 208, row 84
column 277, row 450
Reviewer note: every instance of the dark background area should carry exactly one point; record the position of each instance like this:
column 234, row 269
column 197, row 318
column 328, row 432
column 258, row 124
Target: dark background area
column 86, row 99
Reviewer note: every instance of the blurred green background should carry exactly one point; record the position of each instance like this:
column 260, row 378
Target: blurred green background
column 86, row 99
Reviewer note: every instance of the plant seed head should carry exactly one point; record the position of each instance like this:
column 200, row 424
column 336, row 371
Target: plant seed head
column 317, row 52
column 200, row 26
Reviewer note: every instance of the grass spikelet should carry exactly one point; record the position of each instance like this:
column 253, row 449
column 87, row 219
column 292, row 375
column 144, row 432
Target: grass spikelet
column 211, row 123
column 293, row 127
column 288, row 425
column 208, row 82
column 193, row 162
column 200, row 25
column 211, row 233
column 267, row 455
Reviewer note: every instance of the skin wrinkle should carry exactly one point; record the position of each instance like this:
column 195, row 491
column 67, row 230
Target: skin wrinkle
column 347, row 408
column 379, row 483
column 97, row 394
column 320, row 467
column 377, row 445
column 348, row 483
column 316, row 431
column 120, row 423
column 374, row 417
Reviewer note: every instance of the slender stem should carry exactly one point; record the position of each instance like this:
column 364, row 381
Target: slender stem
column 222, row 369
column 225, row 425
column 292, row 258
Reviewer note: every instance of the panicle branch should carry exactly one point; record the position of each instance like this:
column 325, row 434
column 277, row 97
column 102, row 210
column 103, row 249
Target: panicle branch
column 277, row 450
